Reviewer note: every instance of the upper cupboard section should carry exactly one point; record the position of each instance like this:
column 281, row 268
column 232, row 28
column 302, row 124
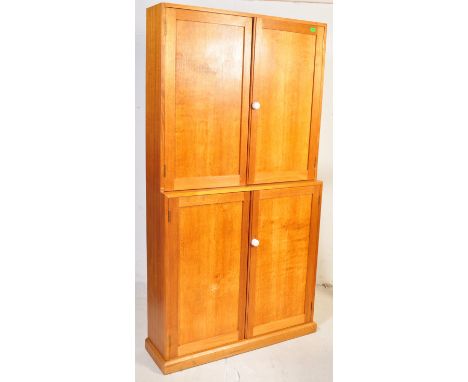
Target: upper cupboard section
column 240, row 98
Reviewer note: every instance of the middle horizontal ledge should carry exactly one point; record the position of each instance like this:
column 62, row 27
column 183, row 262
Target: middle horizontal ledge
column 250, row 187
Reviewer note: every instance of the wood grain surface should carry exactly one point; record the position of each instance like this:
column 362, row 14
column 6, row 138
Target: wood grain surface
column 207, row 94
column 219, row 174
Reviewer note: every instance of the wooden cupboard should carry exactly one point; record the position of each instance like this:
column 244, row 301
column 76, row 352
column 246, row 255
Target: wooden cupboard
column 233, row 204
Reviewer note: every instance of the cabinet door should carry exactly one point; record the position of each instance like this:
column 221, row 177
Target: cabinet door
column 208, row 241
column 282, row 267
column 287, row 84
column 206, row 95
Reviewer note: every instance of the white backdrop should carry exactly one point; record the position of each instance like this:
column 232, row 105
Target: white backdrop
column 301, row 10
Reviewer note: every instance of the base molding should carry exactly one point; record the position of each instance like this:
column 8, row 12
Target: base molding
column 242, row 346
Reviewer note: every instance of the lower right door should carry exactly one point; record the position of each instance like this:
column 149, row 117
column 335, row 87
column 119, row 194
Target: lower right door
column 284, row 230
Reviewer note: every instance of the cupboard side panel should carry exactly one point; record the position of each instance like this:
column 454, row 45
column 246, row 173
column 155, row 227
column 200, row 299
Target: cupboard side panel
column 313, row 253
column 154, row 199
column 169, row 95
column 317, row 101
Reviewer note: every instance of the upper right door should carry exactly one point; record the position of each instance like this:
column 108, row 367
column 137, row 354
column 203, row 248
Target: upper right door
column 286, row 100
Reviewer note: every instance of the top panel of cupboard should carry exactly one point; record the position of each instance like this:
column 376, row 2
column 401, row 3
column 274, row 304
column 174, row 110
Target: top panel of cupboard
column 232, row 98
column 227, row 12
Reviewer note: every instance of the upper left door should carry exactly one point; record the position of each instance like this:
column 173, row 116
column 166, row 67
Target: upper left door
column 206, row 98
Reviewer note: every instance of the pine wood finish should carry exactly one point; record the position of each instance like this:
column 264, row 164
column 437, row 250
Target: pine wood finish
column 220, row 174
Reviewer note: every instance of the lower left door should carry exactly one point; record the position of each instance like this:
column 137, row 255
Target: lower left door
column 207, row 241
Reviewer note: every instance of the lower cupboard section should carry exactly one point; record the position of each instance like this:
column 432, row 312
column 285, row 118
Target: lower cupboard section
column 233, row 267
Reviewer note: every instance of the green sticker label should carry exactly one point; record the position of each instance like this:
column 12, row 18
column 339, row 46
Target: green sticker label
column 313, row 29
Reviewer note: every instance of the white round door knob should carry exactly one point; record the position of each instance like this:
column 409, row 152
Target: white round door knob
column 256, row 105
column 255, row 242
